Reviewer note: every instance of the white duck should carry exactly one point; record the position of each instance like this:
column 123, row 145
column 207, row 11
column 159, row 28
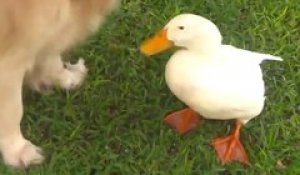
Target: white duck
column 215, row 80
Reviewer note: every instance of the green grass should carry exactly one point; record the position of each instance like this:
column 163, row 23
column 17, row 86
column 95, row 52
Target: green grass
column 113, row 124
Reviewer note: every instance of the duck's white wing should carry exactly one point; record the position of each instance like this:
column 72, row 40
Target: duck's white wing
column 240, row 76
column 247, row 56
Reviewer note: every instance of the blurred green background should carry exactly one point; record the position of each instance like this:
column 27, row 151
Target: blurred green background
column 112, row 125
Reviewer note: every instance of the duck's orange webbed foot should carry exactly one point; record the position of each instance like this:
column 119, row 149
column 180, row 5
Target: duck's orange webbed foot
column 230, row 148
column 183, row 120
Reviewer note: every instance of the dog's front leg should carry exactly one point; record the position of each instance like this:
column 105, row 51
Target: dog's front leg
column 16, row 150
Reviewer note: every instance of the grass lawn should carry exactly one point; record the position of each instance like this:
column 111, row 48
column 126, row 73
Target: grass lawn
column 113, row 124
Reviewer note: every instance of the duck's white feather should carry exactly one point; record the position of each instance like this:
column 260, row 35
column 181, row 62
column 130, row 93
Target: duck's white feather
column 225, row 85
column 244, row 55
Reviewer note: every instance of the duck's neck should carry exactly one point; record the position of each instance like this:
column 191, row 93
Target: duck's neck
column 205, row 49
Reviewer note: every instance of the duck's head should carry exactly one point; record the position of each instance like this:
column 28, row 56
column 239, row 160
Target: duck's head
column 189, row 31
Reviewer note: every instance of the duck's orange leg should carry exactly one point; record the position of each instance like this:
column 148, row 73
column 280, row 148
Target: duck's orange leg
column 183, row 120
column 230, row 148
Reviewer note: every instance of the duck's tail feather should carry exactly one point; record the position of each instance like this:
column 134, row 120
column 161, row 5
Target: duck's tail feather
column 271, row 57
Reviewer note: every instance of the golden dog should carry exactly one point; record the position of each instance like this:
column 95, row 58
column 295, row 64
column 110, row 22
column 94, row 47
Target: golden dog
column 33, row 34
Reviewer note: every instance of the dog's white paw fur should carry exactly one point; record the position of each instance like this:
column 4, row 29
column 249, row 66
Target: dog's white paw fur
column 73, row 75
column 22, row 154
column 57, row 73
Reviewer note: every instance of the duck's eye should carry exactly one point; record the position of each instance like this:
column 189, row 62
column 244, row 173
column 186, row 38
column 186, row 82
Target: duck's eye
column 181, row 27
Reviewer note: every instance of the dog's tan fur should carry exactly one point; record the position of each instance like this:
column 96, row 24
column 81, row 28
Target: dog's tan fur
column 33, row 34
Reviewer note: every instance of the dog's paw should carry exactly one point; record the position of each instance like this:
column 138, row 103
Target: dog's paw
column 74, row 75
column 22, row 155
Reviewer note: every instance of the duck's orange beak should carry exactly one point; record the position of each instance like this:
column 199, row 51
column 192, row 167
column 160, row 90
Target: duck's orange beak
column 158, row 43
